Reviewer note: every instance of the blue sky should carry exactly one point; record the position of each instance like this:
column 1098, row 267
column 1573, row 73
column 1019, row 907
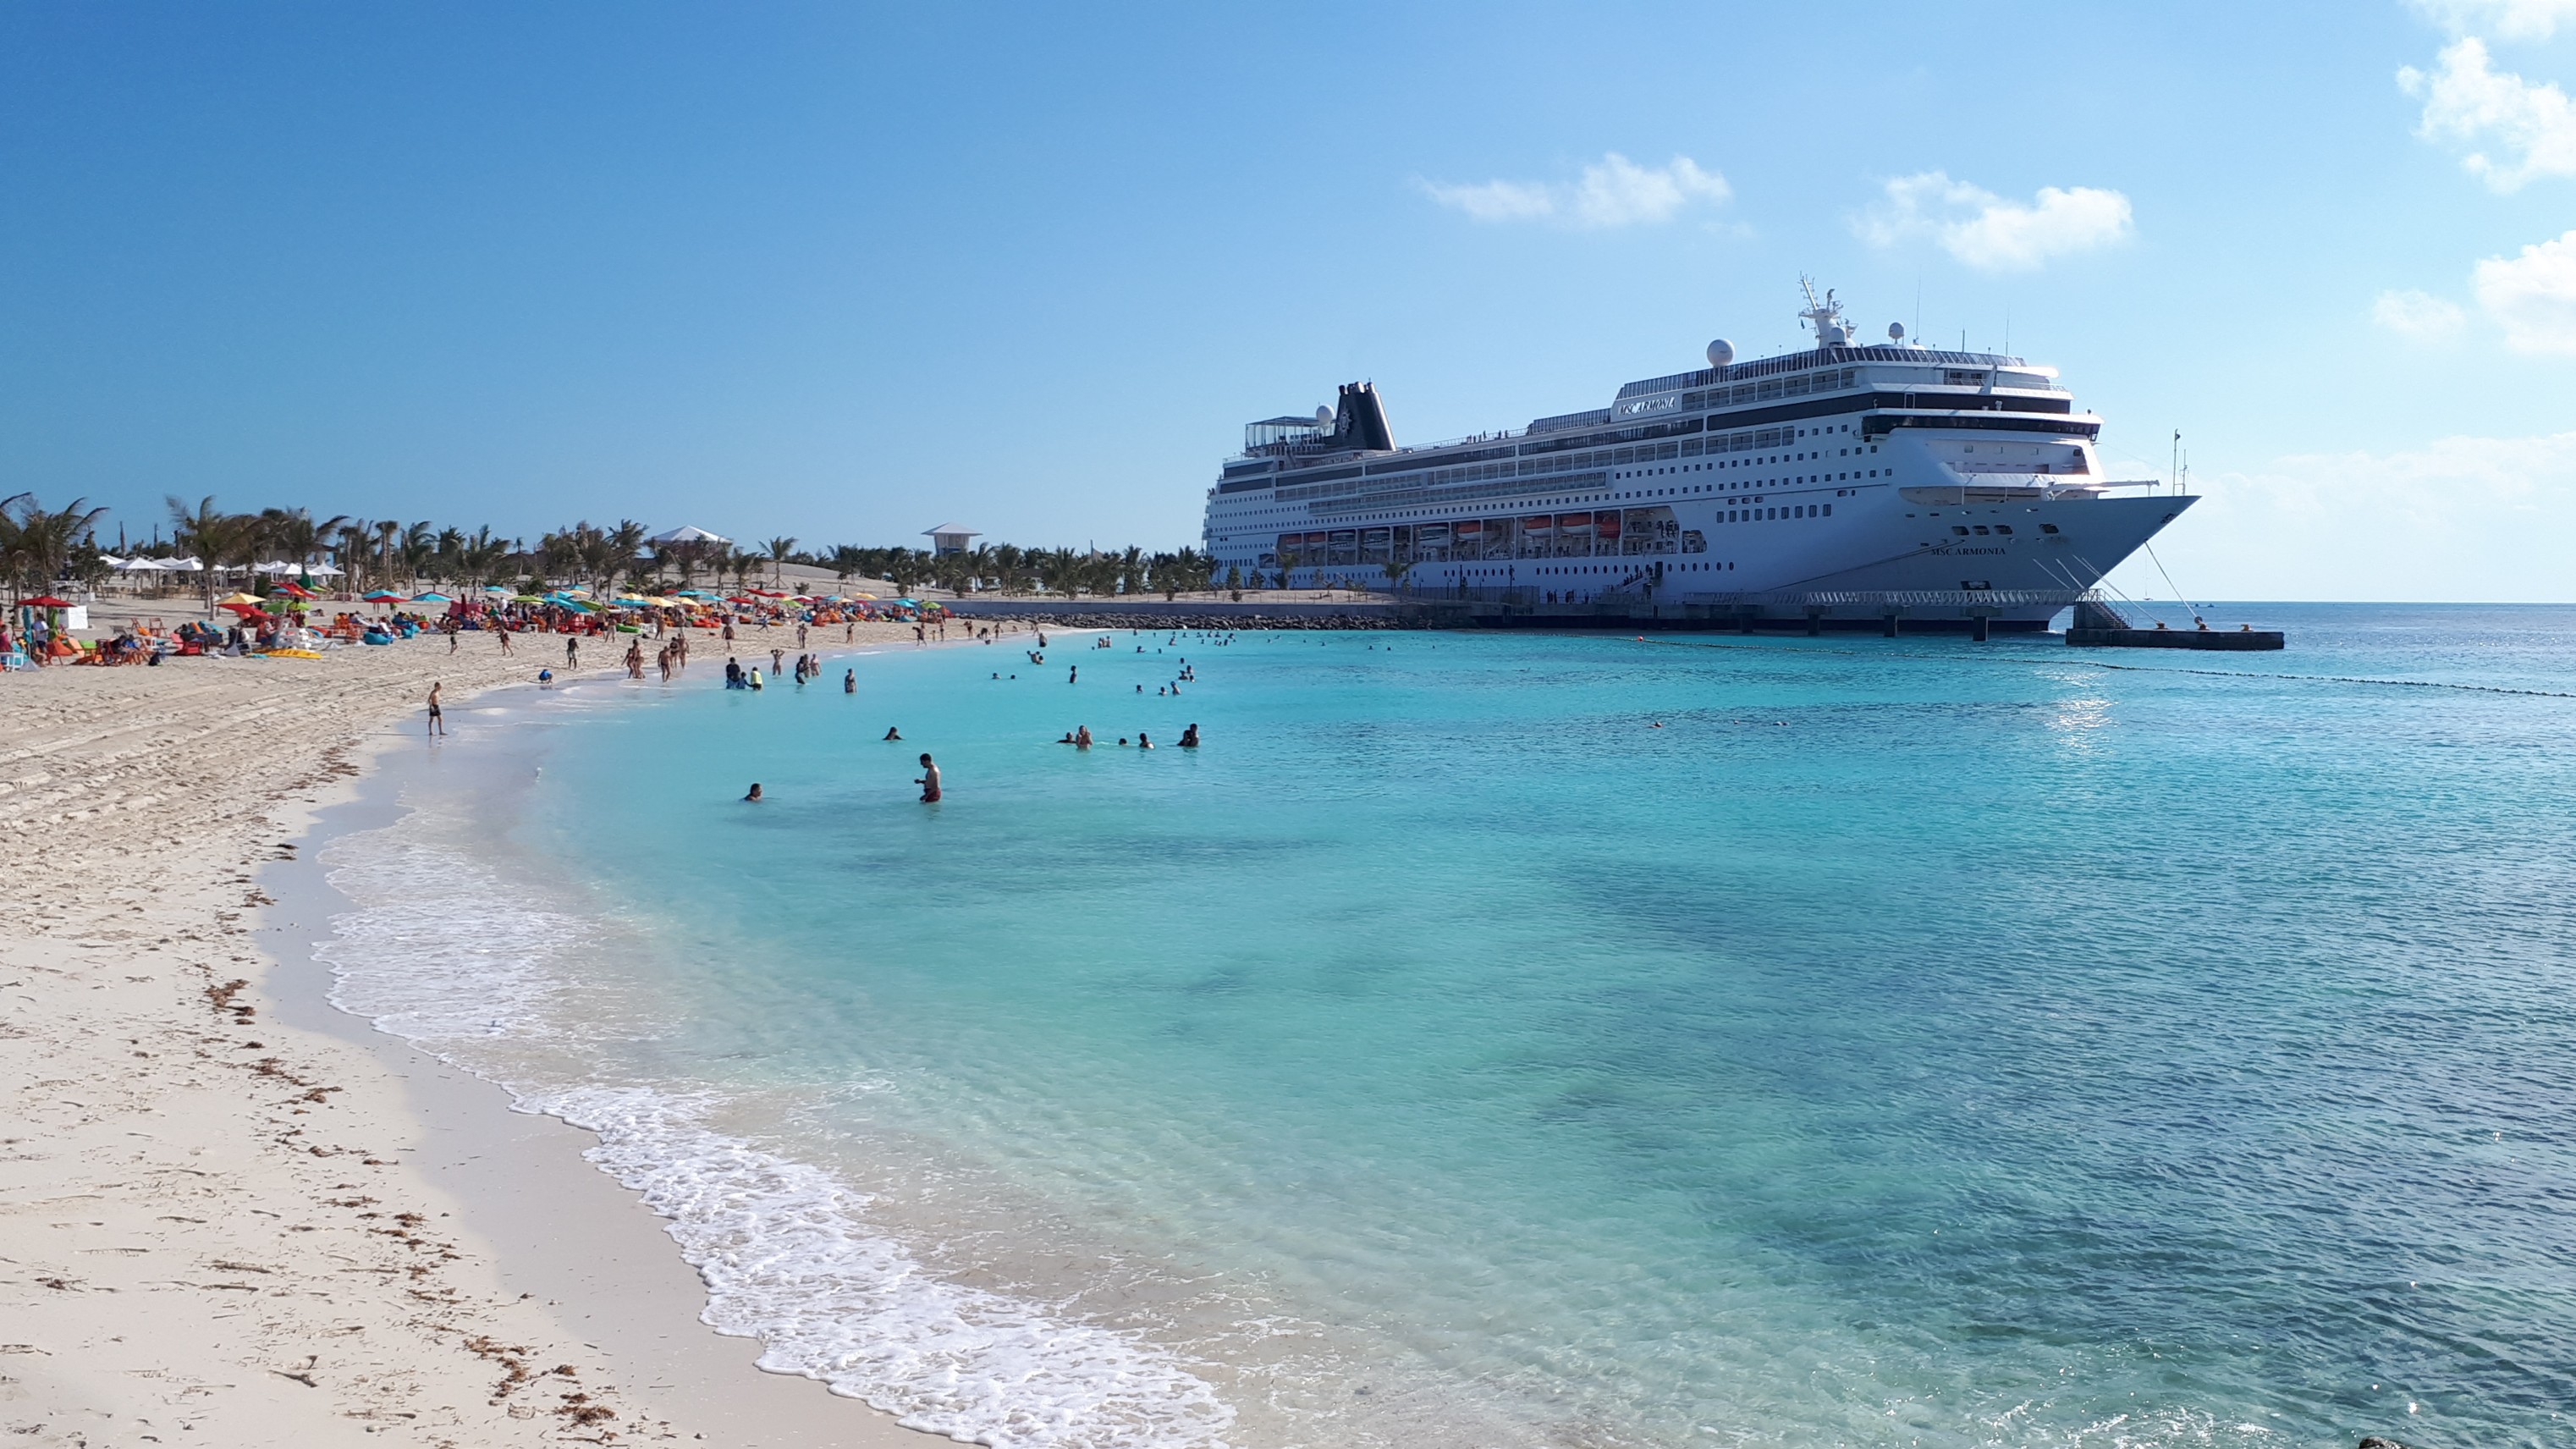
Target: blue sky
column 844, row 272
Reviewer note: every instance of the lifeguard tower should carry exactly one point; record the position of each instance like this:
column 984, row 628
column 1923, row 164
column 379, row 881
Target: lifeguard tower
column 950, row 538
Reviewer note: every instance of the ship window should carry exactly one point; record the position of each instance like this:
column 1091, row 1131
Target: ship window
column 2048, row 528
column 2004, row 528
column 1982, row 529
column 1829, row 510
column 1959, row 530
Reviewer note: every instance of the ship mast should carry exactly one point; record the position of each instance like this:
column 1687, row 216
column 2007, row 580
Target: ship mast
column 1825, row 316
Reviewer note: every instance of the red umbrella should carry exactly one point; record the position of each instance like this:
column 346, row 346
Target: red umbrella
column 243, row 609
column 48, row 601
column 297, row 591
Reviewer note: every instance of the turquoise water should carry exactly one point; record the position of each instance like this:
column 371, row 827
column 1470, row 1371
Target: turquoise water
column 1907, row 1043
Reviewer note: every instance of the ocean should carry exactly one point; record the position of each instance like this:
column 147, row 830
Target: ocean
column 1571, row 1040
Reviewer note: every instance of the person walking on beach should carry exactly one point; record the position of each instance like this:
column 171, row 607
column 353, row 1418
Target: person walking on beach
column 452, row 633
column 501, row 628
column 437, row 720
column 929, row 782
column 572, row 651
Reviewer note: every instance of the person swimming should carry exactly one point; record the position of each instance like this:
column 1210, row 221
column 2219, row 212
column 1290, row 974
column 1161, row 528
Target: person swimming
column 892, row 733
column 1144, row 741
column 1082, row 737
column 755, row 796
column 1190, row 738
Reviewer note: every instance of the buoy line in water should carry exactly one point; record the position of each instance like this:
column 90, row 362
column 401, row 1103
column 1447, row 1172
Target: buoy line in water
column 2140, row 668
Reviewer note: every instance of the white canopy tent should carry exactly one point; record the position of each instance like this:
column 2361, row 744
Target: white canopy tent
column 688, row 534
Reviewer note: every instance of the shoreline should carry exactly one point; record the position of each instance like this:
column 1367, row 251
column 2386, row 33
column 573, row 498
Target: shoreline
column 228, row 1209
column 560, row 1228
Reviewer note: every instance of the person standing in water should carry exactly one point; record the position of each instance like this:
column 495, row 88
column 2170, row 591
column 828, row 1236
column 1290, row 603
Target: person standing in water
column 754, row 797
column 929, row 782
column 437, row 721
column 850, row 681
column 1073, row 675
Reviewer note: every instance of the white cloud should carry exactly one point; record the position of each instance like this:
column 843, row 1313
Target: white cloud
column 1613, row 192
column 2419, row 315
column 2512, row 19
column 2533, row 296
column 2462, row 519
column 1990, row 233
column 2468, row 101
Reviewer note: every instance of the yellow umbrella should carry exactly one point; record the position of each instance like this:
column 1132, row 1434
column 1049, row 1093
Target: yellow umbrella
column 242, row 599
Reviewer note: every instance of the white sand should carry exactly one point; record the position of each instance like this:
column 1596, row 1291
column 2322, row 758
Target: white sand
column 223, row 1224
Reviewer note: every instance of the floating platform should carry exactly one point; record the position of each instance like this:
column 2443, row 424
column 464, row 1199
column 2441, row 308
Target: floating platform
column 2097, row 625
column 2176, row 638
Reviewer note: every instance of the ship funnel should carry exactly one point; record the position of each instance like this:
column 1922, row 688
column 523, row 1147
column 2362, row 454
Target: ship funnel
column 1360, row 421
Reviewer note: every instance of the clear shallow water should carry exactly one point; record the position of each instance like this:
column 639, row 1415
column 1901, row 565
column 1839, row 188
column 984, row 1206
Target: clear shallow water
column 1910, row 1042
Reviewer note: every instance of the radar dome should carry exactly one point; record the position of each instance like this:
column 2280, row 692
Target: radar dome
column 1323, row 417
column 1895, row 331
column 1720, row 353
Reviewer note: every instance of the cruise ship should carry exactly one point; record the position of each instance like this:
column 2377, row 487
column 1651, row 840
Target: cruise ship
column 1843, row 484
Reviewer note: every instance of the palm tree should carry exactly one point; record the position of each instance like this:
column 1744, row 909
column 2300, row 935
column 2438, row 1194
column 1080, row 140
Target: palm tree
column 779, row 549
column 39, row 543
column 295, row 535
column 845, row 560
column 205, row 533
column 421, row 545
column 624, row 542
column 349, row 551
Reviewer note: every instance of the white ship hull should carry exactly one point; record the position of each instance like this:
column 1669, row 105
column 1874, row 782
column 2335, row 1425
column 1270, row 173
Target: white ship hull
column 1841, row 485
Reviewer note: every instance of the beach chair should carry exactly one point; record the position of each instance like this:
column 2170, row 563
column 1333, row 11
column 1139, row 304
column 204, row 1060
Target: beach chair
column 16, row 658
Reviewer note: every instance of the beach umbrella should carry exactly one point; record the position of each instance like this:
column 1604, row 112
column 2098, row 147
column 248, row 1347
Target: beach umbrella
column 245, row 610
column 297, row 591
column 432, row 597
column 46, row 601
column 386, row 596
column 239, row 598
column 495, row 589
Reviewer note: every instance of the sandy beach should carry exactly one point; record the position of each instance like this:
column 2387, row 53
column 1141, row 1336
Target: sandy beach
column 231, row 1215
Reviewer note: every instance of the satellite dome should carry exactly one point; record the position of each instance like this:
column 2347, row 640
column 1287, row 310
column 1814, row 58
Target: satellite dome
column 1895, row 331
column 1720, row 353
column 1323, row 417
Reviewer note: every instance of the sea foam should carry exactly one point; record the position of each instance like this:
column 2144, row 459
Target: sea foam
column 445, row 953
